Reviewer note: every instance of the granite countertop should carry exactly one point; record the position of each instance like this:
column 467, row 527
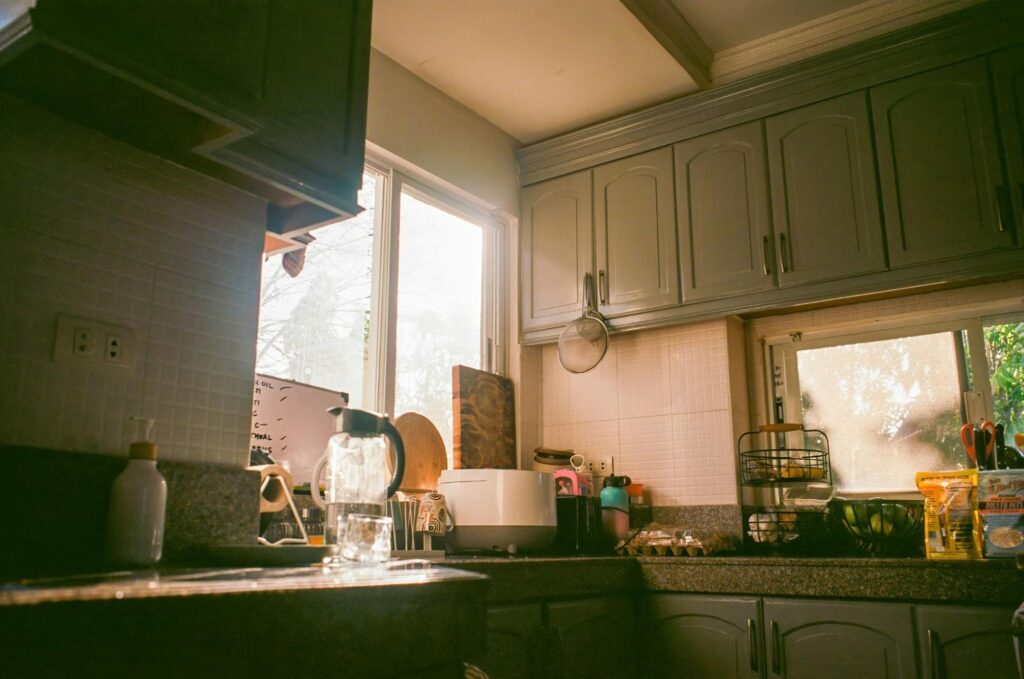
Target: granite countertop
column 187, row 582
column 992, row 581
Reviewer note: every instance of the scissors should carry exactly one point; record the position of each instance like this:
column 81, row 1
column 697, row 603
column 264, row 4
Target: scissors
column 969, row 436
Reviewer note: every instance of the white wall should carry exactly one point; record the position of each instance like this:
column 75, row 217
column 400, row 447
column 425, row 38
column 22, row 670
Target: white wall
column 97, row 229
column 422, row 125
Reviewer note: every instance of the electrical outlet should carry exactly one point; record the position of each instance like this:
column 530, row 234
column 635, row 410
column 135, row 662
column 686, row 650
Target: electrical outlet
column 83, row 342
column 86, row 342
column 600, row 466
column 113, row 353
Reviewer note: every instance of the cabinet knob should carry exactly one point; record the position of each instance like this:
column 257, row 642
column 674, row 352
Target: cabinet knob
column 602, row 287
column 934, row 656
column 765, row 254
column 784, row 262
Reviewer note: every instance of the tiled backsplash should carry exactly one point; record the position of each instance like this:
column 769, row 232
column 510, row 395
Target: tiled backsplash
column 99, row 230
column 666, row 403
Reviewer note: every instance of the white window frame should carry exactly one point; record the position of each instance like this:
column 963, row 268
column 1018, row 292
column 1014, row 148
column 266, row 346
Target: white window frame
column 395, row 178
column 783, row 381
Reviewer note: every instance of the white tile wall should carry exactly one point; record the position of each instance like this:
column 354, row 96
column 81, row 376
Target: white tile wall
column 96, row 229
column 660, row 403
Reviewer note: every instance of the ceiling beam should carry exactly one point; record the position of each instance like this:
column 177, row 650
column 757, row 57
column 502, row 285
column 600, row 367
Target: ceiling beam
column 673, row 32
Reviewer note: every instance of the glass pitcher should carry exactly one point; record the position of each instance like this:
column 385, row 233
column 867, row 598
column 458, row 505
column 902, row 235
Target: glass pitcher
column 356, row 470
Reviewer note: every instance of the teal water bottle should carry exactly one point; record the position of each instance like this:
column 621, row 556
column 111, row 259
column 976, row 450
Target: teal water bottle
column 615, row 507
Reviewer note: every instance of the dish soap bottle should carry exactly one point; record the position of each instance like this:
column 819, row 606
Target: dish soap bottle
column 615, row 507
column 138, row 500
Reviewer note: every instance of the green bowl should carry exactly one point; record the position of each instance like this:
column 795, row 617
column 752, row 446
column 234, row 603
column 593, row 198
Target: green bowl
column 879, row 527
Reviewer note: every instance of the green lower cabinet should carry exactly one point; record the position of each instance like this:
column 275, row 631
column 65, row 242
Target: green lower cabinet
column 578, row 638
column 593, row 637
column 700, row 637
column 962, row 642
column 812, row 639
column 514, row 635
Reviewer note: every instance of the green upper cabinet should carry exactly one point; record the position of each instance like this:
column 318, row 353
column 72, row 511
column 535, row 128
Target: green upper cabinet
column 267, row 95
column 635, row 234
column 939, row 165
column 556, row 249
column 824, row 201
column 724, row 230
column 1008, row 71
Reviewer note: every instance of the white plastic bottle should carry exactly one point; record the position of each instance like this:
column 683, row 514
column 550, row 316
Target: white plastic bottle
column 138, row 501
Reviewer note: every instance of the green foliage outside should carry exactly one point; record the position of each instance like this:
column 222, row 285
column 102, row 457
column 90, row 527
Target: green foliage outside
column 1004, row 349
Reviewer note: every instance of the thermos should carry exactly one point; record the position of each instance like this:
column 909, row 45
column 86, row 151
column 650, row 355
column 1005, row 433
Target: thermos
column 615, row 507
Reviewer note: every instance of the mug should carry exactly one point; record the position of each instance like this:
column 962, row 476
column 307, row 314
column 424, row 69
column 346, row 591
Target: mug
column 433, row 517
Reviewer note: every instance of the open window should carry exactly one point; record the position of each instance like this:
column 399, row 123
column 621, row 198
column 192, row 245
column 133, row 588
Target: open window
column 892, row 398
column 383, row 304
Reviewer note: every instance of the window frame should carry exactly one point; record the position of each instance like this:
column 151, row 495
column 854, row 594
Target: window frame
column 782, row 380
column 394, row 178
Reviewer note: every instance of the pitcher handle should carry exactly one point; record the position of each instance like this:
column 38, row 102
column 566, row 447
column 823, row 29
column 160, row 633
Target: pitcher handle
column 314, row 486
column 389, row 430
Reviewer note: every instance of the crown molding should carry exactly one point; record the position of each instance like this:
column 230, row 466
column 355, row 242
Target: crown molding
column 674, row 33
column 857, row 23
column 978, row 30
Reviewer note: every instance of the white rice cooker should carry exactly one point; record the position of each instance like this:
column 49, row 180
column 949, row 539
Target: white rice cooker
column 499, row 509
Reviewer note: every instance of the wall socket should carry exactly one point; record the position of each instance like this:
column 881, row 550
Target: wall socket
column 601, row 466
column 82, row 341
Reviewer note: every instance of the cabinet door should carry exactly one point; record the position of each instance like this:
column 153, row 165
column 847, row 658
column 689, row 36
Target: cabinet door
column 1008, row 70
column 824, row 202
column 836, row 640
column 939, row 165
column 722, row 197
column 703, row 637
column 513, row 642
column 593, row 637
column 555, row 250
column 635, row 234
column 960, row 642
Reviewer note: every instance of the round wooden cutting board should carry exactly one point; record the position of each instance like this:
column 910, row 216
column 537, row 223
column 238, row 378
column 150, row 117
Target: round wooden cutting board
column 425, row 455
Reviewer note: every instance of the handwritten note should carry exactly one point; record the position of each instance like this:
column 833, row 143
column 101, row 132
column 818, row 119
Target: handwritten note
column 289, row 421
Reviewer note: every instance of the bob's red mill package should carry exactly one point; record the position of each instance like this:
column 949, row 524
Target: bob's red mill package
column 1001, row 511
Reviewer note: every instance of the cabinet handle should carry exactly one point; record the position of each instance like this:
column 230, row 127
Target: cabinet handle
column 776, row 649
column 1022, row 204
column 1002, row 200
column 752, row 642
column 933, row 654
column 602, row 286
column 765, row 254
column 783, row 258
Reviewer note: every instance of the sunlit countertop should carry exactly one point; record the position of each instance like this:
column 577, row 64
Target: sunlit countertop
column 182, row 582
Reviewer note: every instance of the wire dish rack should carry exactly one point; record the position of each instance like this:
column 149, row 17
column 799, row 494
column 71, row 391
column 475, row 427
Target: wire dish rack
column 784, row 453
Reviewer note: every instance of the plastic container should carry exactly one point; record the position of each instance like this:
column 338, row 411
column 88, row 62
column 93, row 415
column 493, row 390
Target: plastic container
column 138, row 502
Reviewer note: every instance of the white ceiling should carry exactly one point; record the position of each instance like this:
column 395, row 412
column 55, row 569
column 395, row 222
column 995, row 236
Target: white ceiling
column 539, row 68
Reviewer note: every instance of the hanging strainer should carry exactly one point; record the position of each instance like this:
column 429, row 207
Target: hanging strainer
column 583, row 343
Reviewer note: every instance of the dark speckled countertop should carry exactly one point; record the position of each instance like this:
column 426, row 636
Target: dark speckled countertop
column 524, row 578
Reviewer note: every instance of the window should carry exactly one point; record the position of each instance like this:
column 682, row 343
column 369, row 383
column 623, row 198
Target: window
column 387, row 301
column 892, row 400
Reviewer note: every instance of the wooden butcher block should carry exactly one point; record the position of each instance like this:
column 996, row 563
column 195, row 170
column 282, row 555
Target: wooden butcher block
column 484, row 426
column 425, row 455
